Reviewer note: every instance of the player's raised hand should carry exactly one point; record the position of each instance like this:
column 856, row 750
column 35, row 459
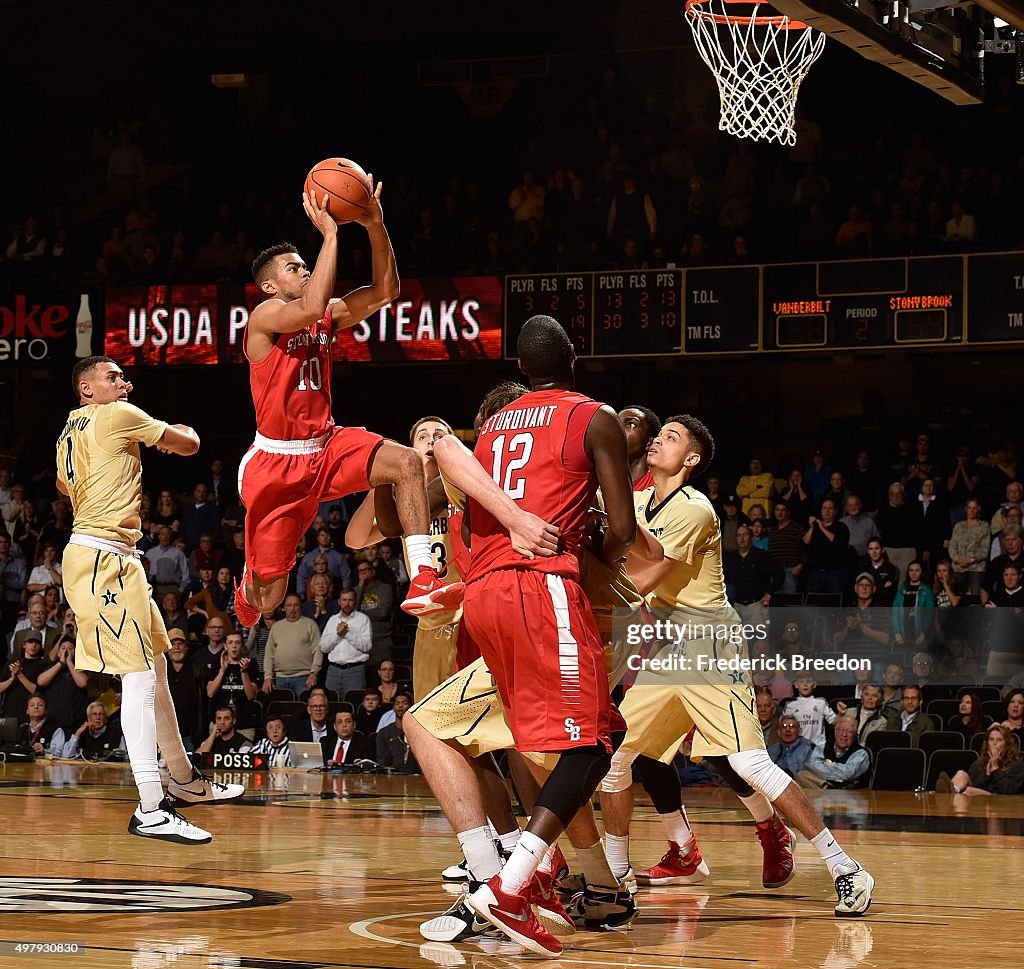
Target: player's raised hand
column 318, row 213
column 532, row 536
column 372, row 214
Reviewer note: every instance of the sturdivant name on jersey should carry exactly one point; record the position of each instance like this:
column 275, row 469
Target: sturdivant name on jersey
column 513, row 420
column 75, row 424
column 305, row 339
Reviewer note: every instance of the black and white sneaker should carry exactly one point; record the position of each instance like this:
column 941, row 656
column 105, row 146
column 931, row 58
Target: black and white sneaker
column 165, row 824
column 602, row 909
column 458, row 923
column 201, row 790
column 854, row 891
column 456, row 873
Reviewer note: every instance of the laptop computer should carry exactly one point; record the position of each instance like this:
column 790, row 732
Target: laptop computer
column 306, row 756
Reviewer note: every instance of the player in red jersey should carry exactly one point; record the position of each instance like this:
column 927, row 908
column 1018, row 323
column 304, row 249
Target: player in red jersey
column 642, row 426
column 299, row 457
column 548, row 451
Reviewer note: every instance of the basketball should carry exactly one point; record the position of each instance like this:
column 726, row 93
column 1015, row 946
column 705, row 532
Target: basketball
column 346, row 184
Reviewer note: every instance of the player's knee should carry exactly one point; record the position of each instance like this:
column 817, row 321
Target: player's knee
column 721, row 764
column 573, row 781
column 620, row 772
column 757, row 769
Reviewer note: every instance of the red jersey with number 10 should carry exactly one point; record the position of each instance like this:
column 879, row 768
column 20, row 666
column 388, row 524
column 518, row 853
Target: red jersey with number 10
column 534, row 451
column 291, row 385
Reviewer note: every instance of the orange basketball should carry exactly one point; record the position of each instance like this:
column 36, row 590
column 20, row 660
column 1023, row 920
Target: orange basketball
column 346, row 185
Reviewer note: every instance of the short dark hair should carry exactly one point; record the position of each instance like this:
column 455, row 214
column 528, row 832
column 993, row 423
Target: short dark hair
column 651, row 420
column 424, row 420
column 81, row 368
column 275, row 716
column 404, row 693
column 501, row 395
column 544, row 348
column 224, row 706
column 293, row 595
column 264, row 258
column 701, row 440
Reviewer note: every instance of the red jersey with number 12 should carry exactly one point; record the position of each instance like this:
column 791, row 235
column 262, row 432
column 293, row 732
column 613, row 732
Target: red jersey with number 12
column 534, row 451
column 291, row 385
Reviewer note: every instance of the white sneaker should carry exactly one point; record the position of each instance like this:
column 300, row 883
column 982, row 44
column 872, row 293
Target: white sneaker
column 457, row 873
column 200, row 789
column 854, row 891
column 165, row 824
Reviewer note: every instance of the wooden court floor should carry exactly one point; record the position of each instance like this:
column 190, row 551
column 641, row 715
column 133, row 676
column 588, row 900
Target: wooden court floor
column 311, row 870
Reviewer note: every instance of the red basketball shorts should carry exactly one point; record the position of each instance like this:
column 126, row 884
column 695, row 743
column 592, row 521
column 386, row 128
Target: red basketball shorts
column 538, row 637
column 282, row 483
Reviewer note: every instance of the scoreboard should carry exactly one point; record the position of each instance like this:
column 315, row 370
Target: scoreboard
column 928, row 301
column 863, row 303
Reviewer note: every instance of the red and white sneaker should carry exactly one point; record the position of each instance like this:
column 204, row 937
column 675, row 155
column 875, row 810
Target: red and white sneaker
column 513, row 917
column 676, row 868
column 559, row 866
column 248, row 615
column 776, row 839
column 428, row 593
column 550, row 910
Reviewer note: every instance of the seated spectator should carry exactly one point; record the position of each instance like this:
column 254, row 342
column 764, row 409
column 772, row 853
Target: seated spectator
column 223, row 593
column 205, row 553
column 923, row 670
column 18, row 680
column 958, row 660
column 234, row 682
column 768, row 716
column 57, row 530
column 43, row 735
column 173, row 615
column 166, row 514
column 337, row 565
column 369, row 712
column 234, row 557
column 275, row 745
column 37, row 625
column 969, row 720
column 730, row 521
column 168, row 567
column 397, row 565
column 1013, row 516
column 911, row 720
column 48, row 572
column 913, row 609
column 961, row 228
column 223, row 739
column 377, row 600
column 322, row 604
column 867, row 624
column 868, row 716
column 64, row 686
column 1014, row 721
column 811, row 711
column 840, row 763
column 389, row 686
column 798, row 496
column 885, row 574
column 346, row 642
column 95, row 739
column 999, row 768
column 202, row 598
column 320, row 571
column 347, row 745
column 893, row 678
column 393, row 748
column 206, row 659
column 185, row 684
column 54, row 606
column 790, row 751
column 256, row 641
column 314, row 728
column 837, row 492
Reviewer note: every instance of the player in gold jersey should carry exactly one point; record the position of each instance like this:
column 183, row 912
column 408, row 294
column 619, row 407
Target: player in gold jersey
column 687, row 587
column 120, row 630
column 433, row 657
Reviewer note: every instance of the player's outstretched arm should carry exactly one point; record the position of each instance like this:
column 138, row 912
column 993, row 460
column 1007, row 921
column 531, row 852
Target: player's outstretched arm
column 530, row 535
column 367, row 300
column 605, row 445
column 179, row 439
column 278, row 316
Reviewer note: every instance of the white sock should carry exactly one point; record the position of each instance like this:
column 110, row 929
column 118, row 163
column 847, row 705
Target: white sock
column 168, row 736
column 510, row 840
column 526, row 858
column 417, row 547
column 478, row 847
column 759, row 806
column 677, row 827
column 838, row 861
column 594, row 862
column 547, row 861
column 138, row 724
column 616, row 849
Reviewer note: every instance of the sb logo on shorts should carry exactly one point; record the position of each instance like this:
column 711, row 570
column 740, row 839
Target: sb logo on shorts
column 572, row 728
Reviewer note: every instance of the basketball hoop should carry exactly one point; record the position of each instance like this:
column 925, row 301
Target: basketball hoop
column 759, row 63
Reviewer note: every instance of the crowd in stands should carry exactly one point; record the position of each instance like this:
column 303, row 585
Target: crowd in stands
column 882, row 559
column 634, row 180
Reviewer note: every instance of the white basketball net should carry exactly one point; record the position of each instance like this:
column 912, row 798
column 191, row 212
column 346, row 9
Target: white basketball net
column 759, row 61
